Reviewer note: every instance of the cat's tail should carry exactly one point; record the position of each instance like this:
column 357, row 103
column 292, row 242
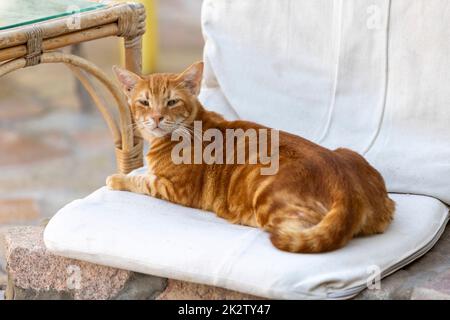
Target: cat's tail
column 335, row 229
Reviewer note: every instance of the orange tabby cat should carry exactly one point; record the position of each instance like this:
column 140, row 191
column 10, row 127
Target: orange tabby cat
column 317, row 201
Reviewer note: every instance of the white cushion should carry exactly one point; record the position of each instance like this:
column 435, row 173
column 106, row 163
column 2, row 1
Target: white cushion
column 147, row 235
column 369, row 75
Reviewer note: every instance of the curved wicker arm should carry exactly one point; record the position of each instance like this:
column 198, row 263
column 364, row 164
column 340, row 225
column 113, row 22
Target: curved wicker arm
column 127, row 145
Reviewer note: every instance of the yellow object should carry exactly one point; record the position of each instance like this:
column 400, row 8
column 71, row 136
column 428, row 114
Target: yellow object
column 150, row 39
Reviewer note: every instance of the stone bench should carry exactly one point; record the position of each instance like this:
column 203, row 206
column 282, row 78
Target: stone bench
column 34, row 273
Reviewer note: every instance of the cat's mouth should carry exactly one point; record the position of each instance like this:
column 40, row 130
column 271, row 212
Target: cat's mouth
column 165, row 128
column 159, row 132
column 156, row 131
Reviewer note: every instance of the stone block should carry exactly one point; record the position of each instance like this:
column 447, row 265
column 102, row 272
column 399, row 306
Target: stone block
column 435, row 288
column 181, row 290
column 35, row 273
column 428, row 294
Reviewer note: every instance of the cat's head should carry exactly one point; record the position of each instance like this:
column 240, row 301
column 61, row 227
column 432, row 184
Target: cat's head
column 162, row 102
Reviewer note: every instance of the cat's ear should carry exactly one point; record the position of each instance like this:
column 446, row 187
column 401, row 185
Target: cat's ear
column 192, row 77
column 127, row 78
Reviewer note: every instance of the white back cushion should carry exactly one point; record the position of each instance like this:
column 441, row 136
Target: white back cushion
column 370, row 75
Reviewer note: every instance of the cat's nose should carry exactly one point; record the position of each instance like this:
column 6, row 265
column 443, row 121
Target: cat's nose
column 157, row 118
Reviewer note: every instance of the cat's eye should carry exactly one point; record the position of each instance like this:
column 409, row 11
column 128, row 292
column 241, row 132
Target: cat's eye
column 172, row 102
column 144, row 102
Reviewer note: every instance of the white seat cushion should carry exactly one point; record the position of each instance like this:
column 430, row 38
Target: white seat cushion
column 147, row 235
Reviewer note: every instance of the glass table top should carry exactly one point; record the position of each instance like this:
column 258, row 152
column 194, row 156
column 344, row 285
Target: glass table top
column 14, row 13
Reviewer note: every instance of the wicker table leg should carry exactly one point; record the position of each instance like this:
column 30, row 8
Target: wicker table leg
column 131, row 27
column 127, row 145
column 84, row 101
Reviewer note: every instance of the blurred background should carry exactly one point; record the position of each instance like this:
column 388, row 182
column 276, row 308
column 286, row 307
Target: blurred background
column 54, row 145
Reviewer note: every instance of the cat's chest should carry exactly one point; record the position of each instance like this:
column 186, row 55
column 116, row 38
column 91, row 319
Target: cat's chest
column 160, row 162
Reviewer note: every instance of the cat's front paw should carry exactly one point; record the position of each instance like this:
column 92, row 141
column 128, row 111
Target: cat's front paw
column 116, row 182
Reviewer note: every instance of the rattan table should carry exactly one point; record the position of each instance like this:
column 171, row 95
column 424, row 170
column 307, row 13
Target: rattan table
column 34, row 40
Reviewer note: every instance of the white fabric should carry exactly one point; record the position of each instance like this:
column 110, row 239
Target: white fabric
column 371, row 75
column 144, row 234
